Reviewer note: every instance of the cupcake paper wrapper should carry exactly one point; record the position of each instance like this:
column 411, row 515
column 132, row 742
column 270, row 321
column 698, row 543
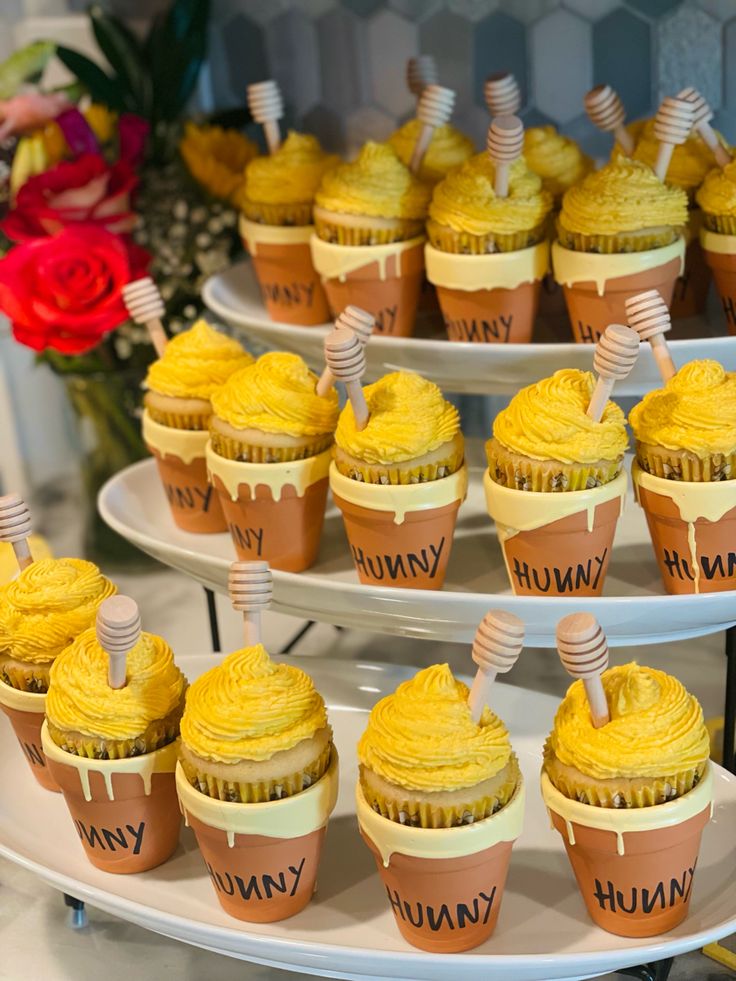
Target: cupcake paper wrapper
column 681, row 465
column 180, row 420
column 462, row 243
column 398, row 473
column 641, row 241
column 156, row 736
column 330, row 230
column 549, row 476
column 724, row 224
column 285, row 215
column 28, row 677
column 235, row 449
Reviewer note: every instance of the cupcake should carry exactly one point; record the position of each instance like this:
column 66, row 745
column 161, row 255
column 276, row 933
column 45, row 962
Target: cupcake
column 683, row 476
column 440, row 801
column 555, row 485
column 257, row 781
column 368, row 248
column 268, row 459
column 276, row 224
column 619, row 233
column 487, row 255
column 400, row 481
column 556, row 159
column 447, row 150
column 717, row 199
column 176, row 417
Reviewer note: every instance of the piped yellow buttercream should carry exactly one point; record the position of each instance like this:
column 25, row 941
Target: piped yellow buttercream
column 376, row 184
column 690, row 161
column 695, row 411
column 249, row 707
column 423, row 737
column 717, row 196
column 555, row 158
column 624, row 196
column 408, row 418
column 656, row 727
column 48, row 605
column 448, row 149
column 548, row 421
column 291, row 175
column 276, row 394
column 81, row 700
column 196, row 362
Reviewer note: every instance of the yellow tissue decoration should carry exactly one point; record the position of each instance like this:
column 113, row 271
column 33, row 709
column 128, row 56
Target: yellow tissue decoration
column 548, row 421
column 448, row 149
column 690, row 161
column 624, row 196
column 291, row 175
column 695, row 411
column 466, row 201
column 248, row 708
column 408, row 418
column 555, row 158
column 48, row 605
column 656, row 727
column 717, row 196
column 80, row 699
column 423, row 738
column 196, row 362
column 276, row 394
column 376, row 184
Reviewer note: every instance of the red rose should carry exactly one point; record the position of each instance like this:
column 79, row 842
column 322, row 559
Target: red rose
column 86, row 190
column 64, row 291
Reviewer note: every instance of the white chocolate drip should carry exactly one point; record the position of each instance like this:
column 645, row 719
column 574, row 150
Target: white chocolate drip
column 299, row 474
column 572, row 267
column 338, row 261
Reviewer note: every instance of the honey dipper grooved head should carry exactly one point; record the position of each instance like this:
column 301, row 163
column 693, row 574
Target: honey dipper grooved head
column 118, row 624
column 502, row 94
column 505, row 139
column 674, row 121
column 143, row 300
column 344, row 355
column 265, row 101
column 15, row 518
column 604, row 107
column 498, row 641
column 421, row 72
column 647, row 314
column 359, row 321
column 582, row 645
column 250, row 585
column 435, row 105
column 702, row 112
column 616, row 351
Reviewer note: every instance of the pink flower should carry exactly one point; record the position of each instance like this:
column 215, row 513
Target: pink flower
column 29, row 110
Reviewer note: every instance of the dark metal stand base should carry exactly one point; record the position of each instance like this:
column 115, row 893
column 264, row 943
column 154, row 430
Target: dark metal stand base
column 78, row 914
column 658, row 971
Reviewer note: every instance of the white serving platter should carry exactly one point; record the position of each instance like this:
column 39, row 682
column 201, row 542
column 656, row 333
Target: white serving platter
column 634, row 609
column 480, row 369
column 543, row 932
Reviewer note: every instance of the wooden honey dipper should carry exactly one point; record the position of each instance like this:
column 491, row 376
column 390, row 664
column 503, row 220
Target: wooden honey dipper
column 15, row 527
column 118, row 628
column 606, row 111
column 434, row 109
column 267, row 108
column 583, row 650
column 504, row 143
column 502, row 94
column 615, row 355
column 648, row 315
column 345, row 358
column 250, row 585
column 496, row 647
column 672, row 126
column 361, row 323
column 421, row 71
column 145, row 306
column 703, row 114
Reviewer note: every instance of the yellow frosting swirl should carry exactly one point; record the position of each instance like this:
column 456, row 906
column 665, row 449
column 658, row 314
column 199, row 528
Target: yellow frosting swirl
column 423, row 738
column 196, row 362
column 466, row 201
column 690, row 161
column 80, row 699
column 248, row 708
column 548, row 421
column 555, row 158
column 717, row 196
column 376, row 184
column 48, row 605
column 292, row 174
column 276, row 394
column 408, row 418
column 656, row 727
column 447, row 150
column 695, row 411
column 624, row 196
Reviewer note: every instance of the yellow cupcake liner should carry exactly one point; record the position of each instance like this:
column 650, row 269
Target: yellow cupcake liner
column 158, row 734
column 463, row 243
column 639, row 241
column 285, row 215
column 235, row 449
column 682, row 465
column 723, row 224
column 549, row 476
column 198, row 421
column 330, row 230
column 261, row 792
column 27, row 677
column 398, row 473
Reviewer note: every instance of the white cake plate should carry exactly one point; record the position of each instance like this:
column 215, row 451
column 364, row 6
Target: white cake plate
column 634, row 609
column 481, row 369
column 348, row 931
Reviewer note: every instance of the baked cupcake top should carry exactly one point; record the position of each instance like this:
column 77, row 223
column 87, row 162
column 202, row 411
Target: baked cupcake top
column 276, row 394
column 695, row 411
column 690, row 161
column 548, row 421
column 408, row 418
column 81, row 700
column 248, row 708
column 48, row 605
column 447, row 150
column 624, row 196
column 656, row 727
column 196, row 362
column 717, row 196
column 291, row 175
column 466, row 201
column 555, row 158
column 423, row 737
column 376, row 184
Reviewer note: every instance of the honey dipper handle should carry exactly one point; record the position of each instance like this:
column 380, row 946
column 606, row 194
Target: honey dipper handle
column 118, row 627
column 15, row 528
column 583, row 650
column 496, row 647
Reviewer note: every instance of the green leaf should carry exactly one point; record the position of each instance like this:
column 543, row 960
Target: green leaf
column 125, row 55
column 99, row 85
column 176, row 48
column 23, row 65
